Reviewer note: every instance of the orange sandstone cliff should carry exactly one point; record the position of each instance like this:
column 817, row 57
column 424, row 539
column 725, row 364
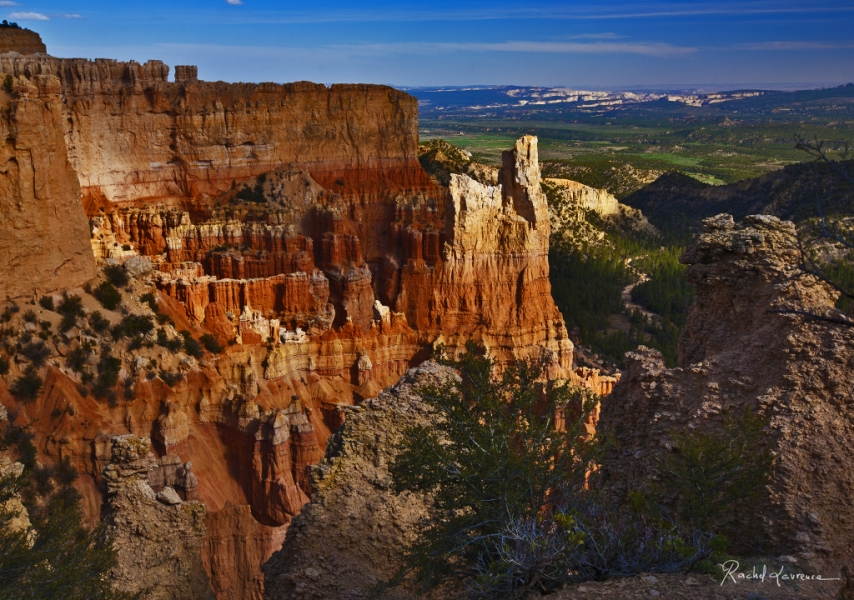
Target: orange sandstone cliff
column 293, row 223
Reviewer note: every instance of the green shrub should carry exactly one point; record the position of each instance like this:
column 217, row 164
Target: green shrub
column 36, row 351
column 133, row 325
column 46, row 302
column 171, row 378
column 507, row 460
column 98, row 322
column 116, row 275
column 493, row 458
column 108, row 376
column 211, row 344
column 714, row 474
column 191, row 346
column 252, row 194
column 77, row 357
column 27, row 386
column 30, row 316
column 173, row 344
column 61, row 557
column 4, row 365
column 108, row 295
column 71, row 308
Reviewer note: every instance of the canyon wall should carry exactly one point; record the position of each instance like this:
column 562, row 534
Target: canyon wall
column 350, row 537
column 43, row 231
column 578, row 194
column 134, row 136
column 22, row 41
column 293, row 224
column 741, row 351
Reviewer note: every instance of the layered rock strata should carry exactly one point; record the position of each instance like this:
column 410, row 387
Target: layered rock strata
column 133, row 135
column 469, row 263
column 578, row 194
column 21, row 41
column 293, row 223
column 43, row 231
column 737, row 352
column 157, row 536
column 349, row 538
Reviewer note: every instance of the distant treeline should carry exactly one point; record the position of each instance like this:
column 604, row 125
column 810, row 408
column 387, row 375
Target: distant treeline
column 587, row 285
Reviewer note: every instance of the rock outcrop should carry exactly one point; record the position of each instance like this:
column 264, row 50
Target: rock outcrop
column 135, row 136
column 350, row 536
column 737, row 352
column 157, row 536
column 22, row 41
column 43, row 231
column 578, row 194
column 295, row 225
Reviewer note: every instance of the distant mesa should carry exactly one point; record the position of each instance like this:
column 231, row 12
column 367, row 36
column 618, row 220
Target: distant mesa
column 14, row 38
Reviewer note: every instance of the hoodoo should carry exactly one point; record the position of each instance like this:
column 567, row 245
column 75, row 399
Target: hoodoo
column 291, row 224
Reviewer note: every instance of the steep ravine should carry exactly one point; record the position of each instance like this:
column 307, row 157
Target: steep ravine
column 326, row 265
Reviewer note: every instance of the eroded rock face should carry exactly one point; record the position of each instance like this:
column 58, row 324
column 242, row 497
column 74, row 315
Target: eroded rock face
column 597, row 200
column 157, row 536
column 22, row 41
column 43, row 231
column 133, row 135
column 233, row 550
column 294, row 222
column 737, row 353
column 350, row 536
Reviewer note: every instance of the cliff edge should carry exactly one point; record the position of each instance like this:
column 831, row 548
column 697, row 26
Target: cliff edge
column 22, row 41
column 739, row 352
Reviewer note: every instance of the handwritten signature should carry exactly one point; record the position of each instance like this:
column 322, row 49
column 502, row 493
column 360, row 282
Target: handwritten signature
column 731, row 571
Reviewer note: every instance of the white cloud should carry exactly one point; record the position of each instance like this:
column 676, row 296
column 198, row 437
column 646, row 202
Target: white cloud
column 8, row 3
column 234, row 2
column 29, row 16
column 648, row 49
column 795, row 45
column 67, row 16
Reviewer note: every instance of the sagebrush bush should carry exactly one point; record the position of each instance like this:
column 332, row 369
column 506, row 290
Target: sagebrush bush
column 71, row 308
column 46, row 302
column 133, row 325
column 27, row 386
column 211, row 344
column 116, row 275
column 108, row 295
column 191, row 346
column 510, row 467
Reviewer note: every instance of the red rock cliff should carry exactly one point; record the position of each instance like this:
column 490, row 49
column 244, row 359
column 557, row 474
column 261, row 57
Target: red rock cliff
column 132, row 135
column 294, row 222
column 43, row 229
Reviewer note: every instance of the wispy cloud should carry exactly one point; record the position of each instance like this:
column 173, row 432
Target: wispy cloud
column 67, row 16
column 427, row 48
column 234, row 2
column 595, row 36
column 29, row 16
column 648, row 49
column 795, row 45
column 8, row 3
column 562, row 12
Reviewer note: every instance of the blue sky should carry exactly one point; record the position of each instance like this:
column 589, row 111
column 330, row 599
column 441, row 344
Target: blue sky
column 600, row 44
